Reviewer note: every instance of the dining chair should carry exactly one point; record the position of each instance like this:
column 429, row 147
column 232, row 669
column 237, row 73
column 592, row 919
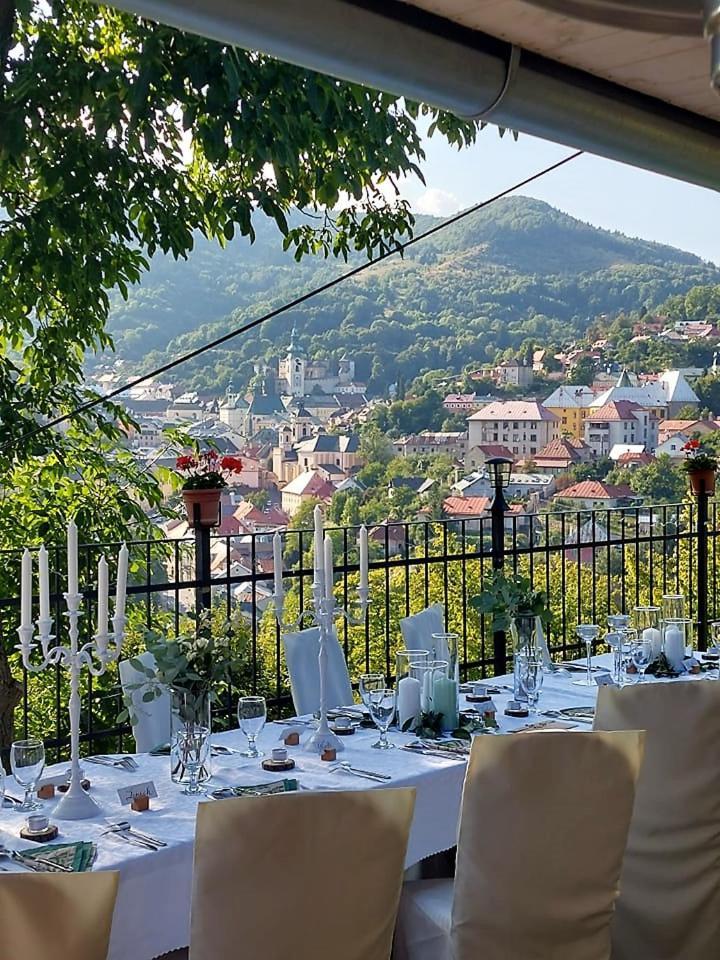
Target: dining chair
column 304, row 875
column 50, row 914
column 150, row 721
column 418, row 629
column 669, row 904
column 301, row 656
column 543, row 827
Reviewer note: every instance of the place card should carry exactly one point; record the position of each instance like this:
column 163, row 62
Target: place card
column 128, row 794
column 605, row 680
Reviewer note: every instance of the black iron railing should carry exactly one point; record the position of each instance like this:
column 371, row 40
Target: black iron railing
column 591, row 563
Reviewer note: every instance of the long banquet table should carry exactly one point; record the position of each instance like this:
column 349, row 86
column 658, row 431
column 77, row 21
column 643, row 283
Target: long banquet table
column 153, row 906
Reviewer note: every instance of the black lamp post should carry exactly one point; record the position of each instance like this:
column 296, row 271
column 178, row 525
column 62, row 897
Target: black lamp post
column 499, row 469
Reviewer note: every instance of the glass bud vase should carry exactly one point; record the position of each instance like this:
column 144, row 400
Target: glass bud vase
column 523, row 633
column 189, row 708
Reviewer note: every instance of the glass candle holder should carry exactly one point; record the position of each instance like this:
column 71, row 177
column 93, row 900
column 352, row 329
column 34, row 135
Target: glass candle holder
column 409, row 686
column 646, row 621
column 673, row 606
column 446, row 645
column 677, row 640
column 429, row 672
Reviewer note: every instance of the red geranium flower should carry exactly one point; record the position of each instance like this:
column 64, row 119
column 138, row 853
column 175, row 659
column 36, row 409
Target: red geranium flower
column 185, row 462
column 233, row 464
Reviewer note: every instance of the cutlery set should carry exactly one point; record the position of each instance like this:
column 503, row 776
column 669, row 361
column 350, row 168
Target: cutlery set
column 37, row 864
column 123, row 830
column 123, row 763
column 343, row 766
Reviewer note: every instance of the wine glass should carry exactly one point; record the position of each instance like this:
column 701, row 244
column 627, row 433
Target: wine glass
column 530, row 677
column 589, row 633
column 368, row 683
column 642, row 656
column 381, row 704
column 252, row 714
column 27, row 762
column 192, row 741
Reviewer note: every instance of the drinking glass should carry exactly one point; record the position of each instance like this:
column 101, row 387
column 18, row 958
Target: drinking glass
column 27, row 762
column 642, row 657
column 252, row 714
column 589, row 633
column 368, row 683
column 381, row 704
column 192, row 741
column 530, row 677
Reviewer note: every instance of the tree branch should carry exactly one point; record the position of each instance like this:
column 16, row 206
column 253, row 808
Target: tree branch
column 7, row 25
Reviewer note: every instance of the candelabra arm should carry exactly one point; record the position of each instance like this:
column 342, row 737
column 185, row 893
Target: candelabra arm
column 278, row 601
column 363, row 604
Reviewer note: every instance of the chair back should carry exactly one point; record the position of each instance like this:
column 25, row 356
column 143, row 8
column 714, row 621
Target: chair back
column 56, row 915
column 669, row 904
column 150, row 721
column 418, row 629
column 299, row 875
column 543, row 827
column 301, row 656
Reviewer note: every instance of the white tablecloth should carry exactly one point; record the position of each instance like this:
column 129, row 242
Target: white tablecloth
column 153, row 907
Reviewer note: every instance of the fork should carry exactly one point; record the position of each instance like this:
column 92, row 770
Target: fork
column 127, row 837
column 343, row 765
column 124, row 826
column 124, row 763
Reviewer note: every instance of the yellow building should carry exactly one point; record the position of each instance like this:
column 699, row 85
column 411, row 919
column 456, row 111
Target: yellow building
column 571, row 405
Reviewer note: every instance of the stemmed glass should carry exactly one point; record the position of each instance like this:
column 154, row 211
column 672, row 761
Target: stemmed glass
column 193, row 744
column 381, row 704
column 369, row 682
column 589, row 633
column 27, row 762
column 642, row 656
column 530, row 676
column 252, row 714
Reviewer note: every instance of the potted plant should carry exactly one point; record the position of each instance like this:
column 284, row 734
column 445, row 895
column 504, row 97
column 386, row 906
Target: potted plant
column 205, row 475
column 192, row 666
column 700, row 467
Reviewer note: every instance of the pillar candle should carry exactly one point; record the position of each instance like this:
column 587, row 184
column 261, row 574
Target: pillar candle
column 26, row 589
column 445, row 701
column 121, row 588
column 102, row 597
column 72, row 558
column 363, row 557
column 653, row 636
column 408, row 701
column 674, row 646
column 277, row 564
column 44, row 584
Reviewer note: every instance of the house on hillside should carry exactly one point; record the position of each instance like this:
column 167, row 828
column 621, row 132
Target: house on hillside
column 597, row 495
column 475, row 514
column 560, row 455
column 477, row 457
column 309, row 485
column 620, row 422
column 451, row 443
column 571, row 404
column 524, row 426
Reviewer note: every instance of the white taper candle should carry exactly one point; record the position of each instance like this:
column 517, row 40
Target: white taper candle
column 319, row 560
column 328, row 568
column 72, row 558
column 363, row 557
column 102, row 596
column 26, row 589
column 120, row 590
column 44, row 584
column 278, row 564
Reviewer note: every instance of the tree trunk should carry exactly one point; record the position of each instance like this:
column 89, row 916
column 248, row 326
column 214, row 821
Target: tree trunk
column 7, row 25
column 10, row 696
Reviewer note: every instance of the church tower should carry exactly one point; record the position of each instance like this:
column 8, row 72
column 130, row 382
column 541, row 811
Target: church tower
column 291, row 370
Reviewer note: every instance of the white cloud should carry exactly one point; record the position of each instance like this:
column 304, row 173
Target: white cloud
column 437, row 203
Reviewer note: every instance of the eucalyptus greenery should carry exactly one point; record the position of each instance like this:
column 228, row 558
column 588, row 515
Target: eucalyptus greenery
column 506, row 596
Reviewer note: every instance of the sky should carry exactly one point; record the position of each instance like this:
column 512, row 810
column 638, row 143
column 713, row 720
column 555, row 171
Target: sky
column 602, row 192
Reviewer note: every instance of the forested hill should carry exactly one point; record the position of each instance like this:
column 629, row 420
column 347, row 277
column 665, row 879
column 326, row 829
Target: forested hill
column 517, row 272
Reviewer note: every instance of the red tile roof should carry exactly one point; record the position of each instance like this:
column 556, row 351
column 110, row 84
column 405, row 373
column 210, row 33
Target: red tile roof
column 642, row 459
column 495, row 450
column 560, row 450
column 474, row 506
column 596, row 490
column 615, row 410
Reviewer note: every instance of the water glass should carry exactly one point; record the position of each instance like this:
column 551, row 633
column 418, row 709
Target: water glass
column 381, row 704
column 530, row 677
column 589, row 633
column 369, row 682
column 192, row 741
column 27, row 762
column 642, row 657
column 252, row 714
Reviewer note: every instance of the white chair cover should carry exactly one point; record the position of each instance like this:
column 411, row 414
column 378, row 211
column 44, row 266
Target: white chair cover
column 301, row 656
column 304, row 875
column 151, row 721
column 417, row 631
column 543, row 827
column 45, row 915
column 669, row 904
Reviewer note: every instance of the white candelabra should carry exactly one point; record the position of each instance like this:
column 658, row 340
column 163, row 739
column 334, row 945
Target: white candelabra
column 102, row 650
column 323, row 613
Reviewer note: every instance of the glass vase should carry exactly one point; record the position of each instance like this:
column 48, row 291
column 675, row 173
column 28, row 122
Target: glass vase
column 523, row 632
column 190, row 708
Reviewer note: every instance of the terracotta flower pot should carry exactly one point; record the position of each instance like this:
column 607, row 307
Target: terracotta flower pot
column 203, row 507
column 702, row 481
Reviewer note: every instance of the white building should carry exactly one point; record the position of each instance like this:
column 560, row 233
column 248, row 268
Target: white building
column 620, row 422
column 523, row 426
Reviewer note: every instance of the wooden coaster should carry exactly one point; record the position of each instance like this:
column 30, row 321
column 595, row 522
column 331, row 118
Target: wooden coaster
column 342, row 731
column 517, row 712
column 276, row 766
column 64, row 787
column 44, row 837
column 473, row 698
